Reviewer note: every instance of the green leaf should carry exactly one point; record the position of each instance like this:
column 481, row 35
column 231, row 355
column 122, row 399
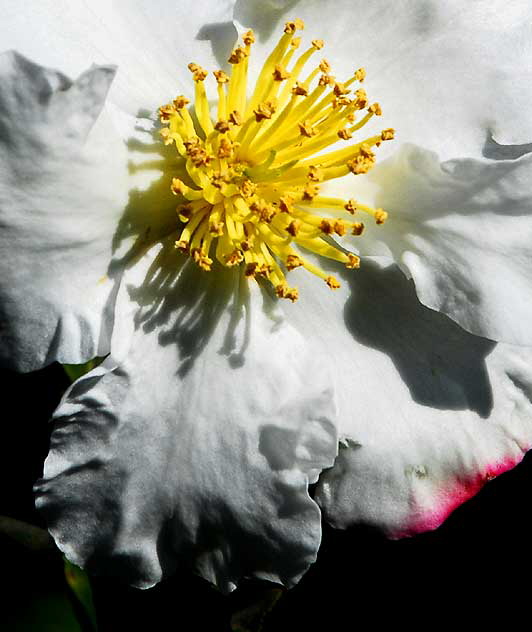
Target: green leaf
column 30, row 536
column 44, row 612
column 251, row 618
column 78, row 581
column 75, row 371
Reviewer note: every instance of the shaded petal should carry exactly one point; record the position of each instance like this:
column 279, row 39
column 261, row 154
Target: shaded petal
column 63, row 187
column 446, row 73
column 198, row 448
column 151, row 43
column 463, row 231
column 427, row 412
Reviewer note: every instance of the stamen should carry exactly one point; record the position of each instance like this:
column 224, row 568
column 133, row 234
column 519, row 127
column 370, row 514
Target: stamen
column 249, row 180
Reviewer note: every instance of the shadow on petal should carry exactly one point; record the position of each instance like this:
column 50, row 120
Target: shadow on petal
column 150, row 214
column 264, row 16
column 222, row 36
column 176, row 299
column 442, row 365
column 492, row 149
column 183, row 304
column 415, row 186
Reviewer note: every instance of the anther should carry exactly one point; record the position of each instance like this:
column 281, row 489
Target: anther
column 340, row 228
column 264, row 111
column 235, row 118
column 216, row 228
column 180, row 102
column 248, row 188
column 280, row 74
column 247, row 244
column 380, row 216
column 326, row 80
column 221, row 76
column 181, row 245
column 225, row 149
column 344, row 134
column 353, row 263
column 218, row 179
column 251, row 269
column 341, row 101
column 266, row 212
column 293, row 227
column 310, row 192
column 184, row 213
column 326, row 227
column 283, row 291
column 292, row 262
column 360, row 74
column 361, row 101
column 363, row 162
column 286, row 204
column 315, row 174
column 166, row 112
column 248, row 38
column 293, row 26
column 238, row 55
column 201, row 259
column 351, row 206
column 222, row 126
column 178, row 187
column 198, row 73
column 340, row 89
column 299, row 90
column 200, row 158
column 234, row 258
column 332, row 283
column 306, row 129
column 264, row 270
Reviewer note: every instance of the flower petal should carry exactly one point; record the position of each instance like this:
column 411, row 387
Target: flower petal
column 446, row 73
column 198, row 448
column 151, row 43
column 463, row 231
column 427, row 412
column 63, row 187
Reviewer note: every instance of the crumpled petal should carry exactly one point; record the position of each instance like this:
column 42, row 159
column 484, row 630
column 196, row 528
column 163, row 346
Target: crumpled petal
column 63, row 188
column 427, row 412
column 198, row 448
column 151, row 43
column 446, row 73
column 463, row 231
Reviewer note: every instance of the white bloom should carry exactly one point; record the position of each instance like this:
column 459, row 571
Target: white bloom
column 195, row 441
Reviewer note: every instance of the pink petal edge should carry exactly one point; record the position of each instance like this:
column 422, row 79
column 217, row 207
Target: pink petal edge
column 454, row 496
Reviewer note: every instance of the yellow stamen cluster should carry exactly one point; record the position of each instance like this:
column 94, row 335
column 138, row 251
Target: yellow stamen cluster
column 250, row 178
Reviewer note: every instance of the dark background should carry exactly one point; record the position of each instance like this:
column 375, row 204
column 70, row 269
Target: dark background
column 472, row 571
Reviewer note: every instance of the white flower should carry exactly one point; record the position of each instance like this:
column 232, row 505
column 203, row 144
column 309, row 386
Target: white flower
column 195, row 441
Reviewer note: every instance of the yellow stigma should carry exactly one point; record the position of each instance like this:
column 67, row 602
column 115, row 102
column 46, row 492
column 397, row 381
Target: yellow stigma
column 249, row 177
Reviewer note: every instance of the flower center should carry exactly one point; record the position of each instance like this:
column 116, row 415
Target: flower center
column 250, row 180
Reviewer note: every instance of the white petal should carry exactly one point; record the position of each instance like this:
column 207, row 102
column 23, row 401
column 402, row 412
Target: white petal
column 197, row 449
column 151, row 43
column 445, row 73
column 463, row 231
column 63, row 188
column 427, row 412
